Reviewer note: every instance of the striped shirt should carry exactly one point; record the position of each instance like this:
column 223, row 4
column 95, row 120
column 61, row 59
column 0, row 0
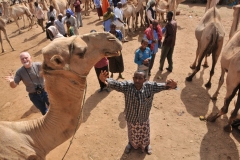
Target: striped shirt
column 138, row 103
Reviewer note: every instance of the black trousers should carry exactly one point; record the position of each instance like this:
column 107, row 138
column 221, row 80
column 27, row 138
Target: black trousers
column 152, row 62
column 98, row 71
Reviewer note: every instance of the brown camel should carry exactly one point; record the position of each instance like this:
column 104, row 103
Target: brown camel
column 130, row 10
column 2, row 28
column 59, row 5
column 16, row 11
column 66, row 64
column 209, row 34
column 230, row 62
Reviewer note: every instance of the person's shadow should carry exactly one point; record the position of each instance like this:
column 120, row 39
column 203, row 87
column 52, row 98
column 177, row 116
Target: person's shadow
column 92, row 102
column 135, row 154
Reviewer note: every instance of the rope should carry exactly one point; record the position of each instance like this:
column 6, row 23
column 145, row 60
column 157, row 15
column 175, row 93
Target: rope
column 83, row 101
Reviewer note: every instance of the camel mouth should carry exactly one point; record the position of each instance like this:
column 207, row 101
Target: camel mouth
column 111, row 54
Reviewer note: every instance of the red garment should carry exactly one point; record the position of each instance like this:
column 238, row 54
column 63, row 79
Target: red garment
column 77, row 5
column 149, row 33
column 105, row 5
column 103, row 62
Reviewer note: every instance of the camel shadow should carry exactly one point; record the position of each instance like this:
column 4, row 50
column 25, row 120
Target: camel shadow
column 38, row 52
column 31, row 110
column 135, row 154
column 92, row 102
column 216, row 143
column 31, row 38
column 195, row 97
column 122, row 121
column 96, row 21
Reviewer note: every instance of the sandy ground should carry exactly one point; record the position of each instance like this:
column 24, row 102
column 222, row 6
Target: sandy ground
column 176, row 131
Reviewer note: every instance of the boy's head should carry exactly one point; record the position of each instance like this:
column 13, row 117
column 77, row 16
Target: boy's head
column 144, row 43
column 68, row 23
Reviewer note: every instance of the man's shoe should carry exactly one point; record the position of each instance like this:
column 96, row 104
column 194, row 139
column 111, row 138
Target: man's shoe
column 169, row 70
column 128, row 148
column 106, row 89
column 149, row 149
column 100, row 90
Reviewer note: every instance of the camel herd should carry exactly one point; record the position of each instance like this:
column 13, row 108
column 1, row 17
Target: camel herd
column 61, row 65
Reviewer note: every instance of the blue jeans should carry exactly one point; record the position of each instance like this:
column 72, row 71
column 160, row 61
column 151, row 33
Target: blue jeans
column 40, row 101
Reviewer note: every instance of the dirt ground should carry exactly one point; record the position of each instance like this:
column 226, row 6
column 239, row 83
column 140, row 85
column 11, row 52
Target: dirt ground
column 176, row 131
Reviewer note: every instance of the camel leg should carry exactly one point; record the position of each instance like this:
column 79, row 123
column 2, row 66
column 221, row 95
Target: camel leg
column 215, row 55
column 220, row 83
column 228, row 127
column 205, row 63
column 128, row 21
column 23, row 22
column 134, row 26
column 189, row 78
column 5, row 33
column 1, row 42
column 141, row 15
column 15, row 19
column 231, row 88
column 193, row 66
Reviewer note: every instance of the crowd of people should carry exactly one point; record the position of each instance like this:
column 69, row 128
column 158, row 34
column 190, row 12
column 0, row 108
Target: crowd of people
column 138, row 93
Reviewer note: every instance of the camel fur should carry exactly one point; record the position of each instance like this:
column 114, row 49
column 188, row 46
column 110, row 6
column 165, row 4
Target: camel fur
column 59, row 5
column 66, row 63
column 2, row 28
column 230, row 62
column 130, row 10
column 16, row 11
column 210, row 35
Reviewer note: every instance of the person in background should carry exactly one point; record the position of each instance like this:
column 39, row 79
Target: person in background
column 69, row 17
column 168, row 43
column 29, row 73
column 116, row 63
column 108, row 18
column 77, row 5
column 51, row 13
column 105, row 5
column 138, row 103
column 53, row 33
column 154, row 35
column 99, row 8
column 120, row 24
column 143, row 57
column 48, row 24
column 101, row 65
column 70, row 30
column 150, row 13
column 39, row 14
column 59, row 25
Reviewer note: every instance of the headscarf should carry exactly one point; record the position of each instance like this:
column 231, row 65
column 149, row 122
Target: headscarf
column 150, row 2
column 55, row 32
column 69, row 11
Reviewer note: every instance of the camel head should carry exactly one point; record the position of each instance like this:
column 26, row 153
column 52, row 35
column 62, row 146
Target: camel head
column 78, row 54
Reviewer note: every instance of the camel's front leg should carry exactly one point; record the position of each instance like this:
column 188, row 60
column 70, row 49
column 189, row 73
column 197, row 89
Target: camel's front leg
column 1, row 42
column 5, row 33
column 15, row 19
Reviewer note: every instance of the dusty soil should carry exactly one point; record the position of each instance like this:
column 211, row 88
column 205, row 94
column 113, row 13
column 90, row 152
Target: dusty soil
column 176, row 131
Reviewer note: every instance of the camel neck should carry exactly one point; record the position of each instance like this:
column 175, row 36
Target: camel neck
column 65, row 96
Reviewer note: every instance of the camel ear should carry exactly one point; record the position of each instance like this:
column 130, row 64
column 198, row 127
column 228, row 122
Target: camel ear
column 57, row 60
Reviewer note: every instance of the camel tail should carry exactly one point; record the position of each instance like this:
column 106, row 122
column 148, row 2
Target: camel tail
column 213, row 45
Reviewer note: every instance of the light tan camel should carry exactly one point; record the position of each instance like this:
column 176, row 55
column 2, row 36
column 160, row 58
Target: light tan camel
column 67, row 62
column 59, row 5
column 230, row 62
column 87, row 5
column 209, row 34
column 16, row 11
column 130, row 10
column 2, row 28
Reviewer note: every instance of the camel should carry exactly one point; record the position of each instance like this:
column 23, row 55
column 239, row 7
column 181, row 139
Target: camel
column 16, row 11
column 210, row 4
column 230, row 62
column 2, row 28
column 210, row 35
column 129, row 10
column 59, row 5
column 66, row 64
